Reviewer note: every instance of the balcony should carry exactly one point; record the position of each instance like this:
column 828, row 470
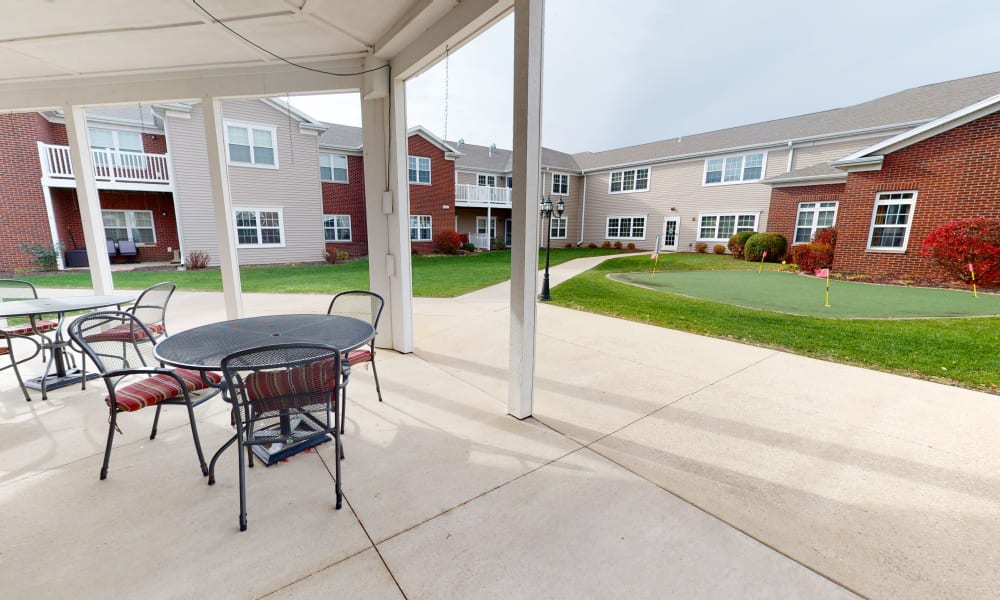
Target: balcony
column 113, row 169
column 482, row 196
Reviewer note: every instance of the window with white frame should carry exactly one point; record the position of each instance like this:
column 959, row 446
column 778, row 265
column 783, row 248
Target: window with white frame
column 558, row 225
column 510, row 181
column 333, row 167
column 724, row 226
column 629, row 227
column 629, row 180
column 337, row 228
column 734, row 169
column 891, row 221
column 419, row 169
column 486, row 180
column 420, row 228
column 560, row 184
column 251, row 145
column 134, row 225
column 481, row 227
column 119, row 148
column 259, row 227
column 813, row 216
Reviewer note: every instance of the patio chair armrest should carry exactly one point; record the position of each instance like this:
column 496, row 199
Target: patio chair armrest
column 140, row 371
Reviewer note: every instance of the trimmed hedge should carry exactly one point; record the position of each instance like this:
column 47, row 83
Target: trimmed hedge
column 738, row 241
column 954, row 245
column 448, row 242
column 812, row 256
column 774, row 244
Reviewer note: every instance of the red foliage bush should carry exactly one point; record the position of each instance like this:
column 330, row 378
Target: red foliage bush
column 812, row 256
column 448, row 242
column 827, row 235
column 954, row 245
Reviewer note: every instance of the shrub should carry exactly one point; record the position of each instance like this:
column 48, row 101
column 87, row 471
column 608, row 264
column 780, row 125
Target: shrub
column 414, row 251
column 954, row 245
column 719, row 249
column 737, row 242
column 812, row 256
column 618, row 245
column 827, row 235
column 469, row 247
column 196, row 260
column 700, row 247
column 774, row 244
column 496, row 244
column 606, row 245
column 568, row 246
column 448, row 242
column 630, row 246
column 46, row 256
column 591, row 245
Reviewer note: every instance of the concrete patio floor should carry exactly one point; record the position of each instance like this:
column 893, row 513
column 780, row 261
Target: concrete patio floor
column 658, row 464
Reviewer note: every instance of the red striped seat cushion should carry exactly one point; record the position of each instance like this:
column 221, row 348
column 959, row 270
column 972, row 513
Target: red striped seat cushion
column 156, row 389
column 359, row 356
column 25, row 328
column 125, row 333
column 276, row 390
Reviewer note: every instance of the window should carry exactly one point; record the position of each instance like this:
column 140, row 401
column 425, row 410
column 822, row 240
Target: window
column 626, row 228
column 251, row 145
column 120, row 148
column 481, row 227
column 734, row 169
column 337, row 228
column 135, row 225
column 813, row 216
column 486, row 180
column 560, row 184
column 419, row 168
column 557, row 227
column 630, row 180
column 420, row 228
column 259, row 227
column 723, row 226
column 333, row 167
column 891, row 221
column 510, row 181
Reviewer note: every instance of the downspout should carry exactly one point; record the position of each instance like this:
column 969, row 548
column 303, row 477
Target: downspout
column 583, row 211
column 791, row 153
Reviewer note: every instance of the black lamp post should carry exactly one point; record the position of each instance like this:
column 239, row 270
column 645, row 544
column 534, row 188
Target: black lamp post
column 545, row 209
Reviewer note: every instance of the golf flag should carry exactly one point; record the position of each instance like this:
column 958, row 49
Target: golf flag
column 822, row 272
column 763, row 256
column 655, row 256
column 825, row 273
column 972, row 272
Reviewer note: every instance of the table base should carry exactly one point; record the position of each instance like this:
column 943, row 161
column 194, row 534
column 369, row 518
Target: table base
column 53, row 382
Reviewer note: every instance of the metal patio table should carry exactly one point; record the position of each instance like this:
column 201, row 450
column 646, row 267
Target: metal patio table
column 37, row 307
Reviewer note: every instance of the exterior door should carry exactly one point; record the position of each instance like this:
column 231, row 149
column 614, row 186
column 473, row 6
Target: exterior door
column 671, row 225
column 506, row 233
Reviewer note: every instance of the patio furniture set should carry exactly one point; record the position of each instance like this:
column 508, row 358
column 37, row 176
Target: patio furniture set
column 285, row 376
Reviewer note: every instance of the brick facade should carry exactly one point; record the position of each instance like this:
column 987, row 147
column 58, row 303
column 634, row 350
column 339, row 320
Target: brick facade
column 431, row 199
column 785, row 201
column 349, row 199
column 22, row 203
column 955, row 174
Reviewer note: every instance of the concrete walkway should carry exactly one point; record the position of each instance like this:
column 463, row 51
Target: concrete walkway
column 658, row 464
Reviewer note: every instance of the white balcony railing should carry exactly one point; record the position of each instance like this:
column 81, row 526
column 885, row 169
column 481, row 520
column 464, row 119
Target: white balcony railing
column 114, row 166
column 481, row 195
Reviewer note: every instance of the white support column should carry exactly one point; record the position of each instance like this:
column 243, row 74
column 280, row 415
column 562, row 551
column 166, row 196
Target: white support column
column 222, row 207
column 53, row 230
column 88, row 198
column 528, row 27
column 387, row 206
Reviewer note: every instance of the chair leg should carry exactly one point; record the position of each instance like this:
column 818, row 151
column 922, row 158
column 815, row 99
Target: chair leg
column 112, row 425
column 340, row 450
column 197, row 440
column 83, row 371
column 17, row 373
column 378, row 388
column 156, row 422
column 243, row 490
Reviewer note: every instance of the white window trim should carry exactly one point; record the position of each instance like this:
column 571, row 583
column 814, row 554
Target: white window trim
column 430, row 170
column 763, row 170
column 350, row 229
column 494, row 176
column 258, row 210
column 909, row 223
column 815, row 211
column 249, row 126
column 552, row 184
column 347, row 169
column 565, row 228
column 492, row 223
column 756, row 223
column 430, row 226
column 130, row 223
column 645, row 226
column 649, row 177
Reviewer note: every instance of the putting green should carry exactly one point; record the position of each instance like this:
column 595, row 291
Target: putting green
column 796, row 294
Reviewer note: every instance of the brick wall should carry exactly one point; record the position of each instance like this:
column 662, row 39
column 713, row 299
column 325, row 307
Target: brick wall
column 429, row 199
column 956, row 176
column 349, row 199
column 785, row 201
column 22, row 204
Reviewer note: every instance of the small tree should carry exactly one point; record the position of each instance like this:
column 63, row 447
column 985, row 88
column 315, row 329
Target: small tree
column 955, row 245
column 448, row 242
column 774, row 244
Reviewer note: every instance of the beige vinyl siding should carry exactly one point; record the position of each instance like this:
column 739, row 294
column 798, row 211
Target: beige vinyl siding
column 465, row 178
column 572, row 212
column 294, row 187
column 814, row 154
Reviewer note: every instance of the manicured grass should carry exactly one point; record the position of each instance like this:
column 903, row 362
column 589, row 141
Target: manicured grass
column 805, row 295
column 963, row 352
column 433, row 275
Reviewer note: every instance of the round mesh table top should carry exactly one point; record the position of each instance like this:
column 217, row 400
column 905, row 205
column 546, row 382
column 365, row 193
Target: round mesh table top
column 204, row 347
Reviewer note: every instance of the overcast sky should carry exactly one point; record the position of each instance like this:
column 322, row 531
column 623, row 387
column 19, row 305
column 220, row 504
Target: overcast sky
column 649, row 70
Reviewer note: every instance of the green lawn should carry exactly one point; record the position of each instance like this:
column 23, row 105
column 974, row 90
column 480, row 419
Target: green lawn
column 433, row 275
column 963, row 352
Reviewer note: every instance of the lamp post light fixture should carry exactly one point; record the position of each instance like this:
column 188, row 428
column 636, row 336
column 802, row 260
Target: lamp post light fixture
column 545, row 210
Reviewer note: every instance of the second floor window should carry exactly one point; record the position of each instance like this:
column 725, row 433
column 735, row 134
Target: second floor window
column 251, row 145
column 135, row 225
column 259, row 227
column 630, row 180
column 560, row 184
column 734, row 169
column 333, row 167
column 119, row 148
column 486, row 180
column 419, row 169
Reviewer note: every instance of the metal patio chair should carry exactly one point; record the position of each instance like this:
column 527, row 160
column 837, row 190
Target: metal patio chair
column 31, row 332
column 283, row 395
column 367, row 306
